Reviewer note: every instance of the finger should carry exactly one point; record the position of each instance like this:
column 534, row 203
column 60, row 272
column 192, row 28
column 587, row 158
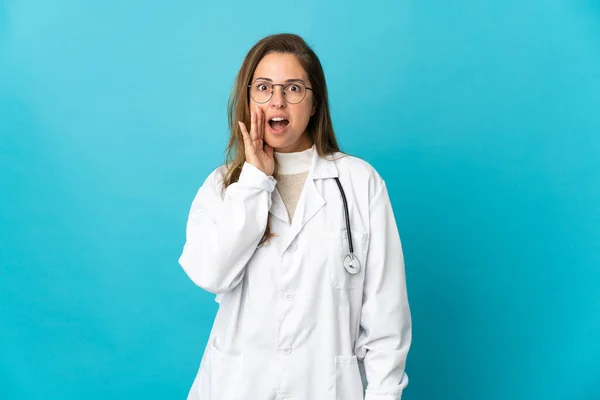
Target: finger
column 259, row 117
column 258, row 122
column 245, row 135
column 253, row 134
column 263, row 122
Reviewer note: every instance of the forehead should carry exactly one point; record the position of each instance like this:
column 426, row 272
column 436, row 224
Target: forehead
column 280, row 67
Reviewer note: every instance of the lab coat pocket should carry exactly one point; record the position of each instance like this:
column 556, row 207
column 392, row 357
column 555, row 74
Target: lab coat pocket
column 338, row 250
column 220, row 378
column 348, row 382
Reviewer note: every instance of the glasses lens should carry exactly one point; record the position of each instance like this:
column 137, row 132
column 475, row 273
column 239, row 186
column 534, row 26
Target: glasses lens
column 295, row 92
column 261, row 91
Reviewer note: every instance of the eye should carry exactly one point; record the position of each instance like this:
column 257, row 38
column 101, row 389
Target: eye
column 294, row 88
column 262, row 87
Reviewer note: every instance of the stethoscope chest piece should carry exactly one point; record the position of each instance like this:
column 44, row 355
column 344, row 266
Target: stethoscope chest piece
column 351, row 264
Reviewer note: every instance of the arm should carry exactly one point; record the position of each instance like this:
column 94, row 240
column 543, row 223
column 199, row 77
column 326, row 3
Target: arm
column 222, row 233
column 385, row 318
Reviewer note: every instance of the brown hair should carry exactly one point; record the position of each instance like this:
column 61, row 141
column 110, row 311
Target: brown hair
column 319, row 129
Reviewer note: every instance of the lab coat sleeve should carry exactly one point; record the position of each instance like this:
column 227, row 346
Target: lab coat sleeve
column 385, row 333
column 223, row 232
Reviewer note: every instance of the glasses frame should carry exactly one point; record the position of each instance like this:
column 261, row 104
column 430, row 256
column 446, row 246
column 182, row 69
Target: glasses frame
column 282, row 91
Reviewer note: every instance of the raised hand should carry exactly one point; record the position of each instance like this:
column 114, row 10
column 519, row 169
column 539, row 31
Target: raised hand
column 258, row 153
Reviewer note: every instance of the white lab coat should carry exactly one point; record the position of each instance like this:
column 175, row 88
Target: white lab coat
column 292, row 323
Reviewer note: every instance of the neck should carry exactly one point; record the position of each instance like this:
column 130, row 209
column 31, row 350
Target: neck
column 294, row 163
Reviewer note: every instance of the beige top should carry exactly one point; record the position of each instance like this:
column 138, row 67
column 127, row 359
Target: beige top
column 292, row 170
column 290, row 188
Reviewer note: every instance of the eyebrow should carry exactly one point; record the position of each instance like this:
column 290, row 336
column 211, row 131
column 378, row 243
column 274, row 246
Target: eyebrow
column 286, row 81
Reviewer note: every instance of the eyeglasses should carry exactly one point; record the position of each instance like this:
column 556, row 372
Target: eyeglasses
column 293, row 92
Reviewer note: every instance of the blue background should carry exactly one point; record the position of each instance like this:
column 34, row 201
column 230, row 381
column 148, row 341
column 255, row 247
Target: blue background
column 483, row 117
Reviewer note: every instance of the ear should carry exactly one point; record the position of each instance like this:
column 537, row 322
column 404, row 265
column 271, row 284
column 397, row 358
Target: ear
column 314, row 109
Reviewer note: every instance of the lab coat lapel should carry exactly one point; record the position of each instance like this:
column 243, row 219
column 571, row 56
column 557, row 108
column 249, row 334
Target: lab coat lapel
column 278, row 209
column 311, row 200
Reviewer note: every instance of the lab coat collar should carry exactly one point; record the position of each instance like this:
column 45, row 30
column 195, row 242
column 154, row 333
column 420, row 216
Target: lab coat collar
column 323, row 167
column 311, row 199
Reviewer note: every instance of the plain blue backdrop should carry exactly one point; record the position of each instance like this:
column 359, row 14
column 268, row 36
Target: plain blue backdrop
column 483, row 117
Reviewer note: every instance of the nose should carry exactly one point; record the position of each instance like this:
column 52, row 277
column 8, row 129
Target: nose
column 278, row 99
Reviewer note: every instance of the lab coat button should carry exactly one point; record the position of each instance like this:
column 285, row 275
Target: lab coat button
column 289, row 296
column 287, row 352
column 292, row 248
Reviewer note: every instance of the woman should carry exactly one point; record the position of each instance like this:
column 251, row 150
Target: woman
column 299, row 316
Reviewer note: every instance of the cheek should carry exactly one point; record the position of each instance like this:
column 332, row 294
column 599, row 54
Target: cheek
column 303, row 113
column 261, row 107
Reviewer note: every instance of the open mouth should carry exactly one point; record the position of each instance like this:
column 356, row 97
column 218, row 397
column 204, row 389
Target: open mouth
column 278, row 124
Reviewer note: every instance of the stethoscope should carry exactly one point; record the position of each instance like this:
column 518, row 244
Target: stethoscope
column 351, row 262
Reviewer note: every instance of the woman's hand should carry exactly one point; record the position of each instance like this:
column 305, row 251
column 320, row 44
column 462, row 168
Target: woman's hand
column 258, row 153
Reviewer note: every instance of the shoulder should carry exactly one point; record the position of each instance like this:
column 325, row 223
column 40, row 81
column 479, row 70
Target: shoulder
column 215, row 181
column 357, row 167
column 358, row 172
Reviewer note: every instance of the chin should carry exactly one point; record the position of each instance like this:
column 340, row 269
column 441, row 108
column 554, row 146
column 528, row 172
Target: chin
column 280, row 142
